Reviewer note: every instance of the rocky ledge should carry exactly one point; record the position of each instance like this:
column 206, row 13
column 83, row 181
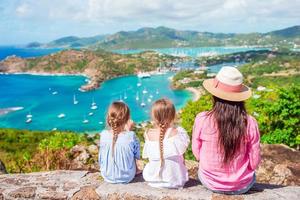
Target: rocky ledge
column 60, row 185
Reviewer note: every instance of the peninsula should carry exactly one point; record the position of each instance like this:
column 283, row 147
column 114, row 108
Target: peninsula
column 97, row 65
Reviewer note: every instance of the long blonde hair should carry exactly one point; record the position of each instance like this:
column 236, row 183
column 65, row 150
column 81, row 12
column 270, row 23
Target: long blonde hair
column 117, row 117
column 163, row 114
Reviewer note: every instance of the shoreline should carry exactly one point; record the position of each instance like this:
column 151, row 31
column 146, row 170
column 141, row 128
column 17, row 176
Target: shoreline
column 43, row 74
column 197, row 92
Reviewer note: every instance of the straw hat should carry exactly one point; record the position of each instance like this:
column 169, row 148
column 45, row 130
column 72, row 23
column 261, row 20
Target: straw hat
column 228, row 85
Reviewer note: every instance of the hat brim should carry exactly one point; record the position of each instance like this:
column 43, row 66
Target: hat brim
column 243, row 95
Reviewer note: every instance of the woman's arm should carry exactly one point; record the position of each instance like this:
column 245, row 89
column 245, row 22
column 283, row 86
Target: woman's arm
column 196, row 142
column 254, row 144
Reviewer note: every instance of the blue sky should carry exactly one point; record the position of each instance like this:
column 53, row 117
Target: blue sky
column 23, row 21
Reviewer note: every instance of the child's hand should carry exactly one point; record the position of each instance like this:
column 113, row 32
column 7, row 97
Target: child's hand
column 139, row 166
column 129, row 126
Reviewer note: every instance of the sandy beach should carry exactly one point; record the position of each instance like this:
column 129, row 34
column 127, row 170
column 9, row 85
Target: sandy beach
column 197, row 92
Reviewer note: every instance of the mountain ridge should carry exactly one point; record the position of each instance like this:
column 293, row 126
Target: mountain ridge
column 165, row 37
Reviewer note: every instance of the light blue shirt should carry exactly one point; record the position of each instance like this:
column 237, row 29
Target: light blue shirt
column 122, row 167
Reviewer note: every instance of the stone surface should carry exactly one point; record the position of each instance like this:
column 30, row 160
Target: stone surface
column 75, row 185
column 278, row 177
column 280, row 165
column 93, row 149
column 86, row 193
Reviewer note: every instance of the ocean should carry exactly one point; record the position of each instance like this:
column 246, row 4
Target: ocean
column 47, row 97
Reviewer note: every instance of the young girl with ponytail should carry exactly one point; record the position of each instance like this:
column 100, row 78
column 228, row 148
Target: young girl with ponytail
column 226, row 138
column 164, row 146
column 119, row 146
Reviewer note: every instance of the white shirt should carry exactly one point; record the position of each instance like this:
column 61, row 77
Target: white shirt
column 173, row 174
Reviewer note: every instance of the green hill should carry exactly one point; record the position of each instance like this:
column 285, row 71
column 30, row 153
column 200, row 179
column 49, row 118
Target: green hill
column 291, row 32
column 164, row 37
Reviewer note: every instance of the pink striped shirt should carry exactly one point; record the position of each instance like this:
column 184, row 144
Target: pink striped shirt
column 239, row 174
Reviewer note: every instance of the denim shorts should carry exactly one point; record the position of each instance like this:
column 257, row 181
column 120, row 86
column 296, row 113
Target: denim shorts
column 236, row 192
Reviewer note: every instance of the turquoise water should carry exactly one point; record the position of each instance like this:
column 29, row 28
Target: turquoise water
column 25, row 52
column 193, row 52
column 34, row 93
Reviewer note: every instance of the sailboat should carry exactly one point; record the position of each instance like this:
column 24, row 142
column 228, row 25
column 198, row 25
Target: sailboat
column 29, row 120
column 121, row 99
column 139, row 84
column 93, row 102
column 85, row 121
column 137, row 96
column 157, row 91
column 149, row 99
column 29, row 115
column 143, row 104
column 91, row 113
column 94, row 105
column 55, row 93
column 145, row 91
column 75, row 100
column 125, row 95
column 61, row 115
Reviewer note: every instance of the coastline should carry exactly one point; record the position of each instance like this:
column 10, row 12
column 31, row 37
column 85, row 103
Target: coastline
column 43, row 74
column 197, row 92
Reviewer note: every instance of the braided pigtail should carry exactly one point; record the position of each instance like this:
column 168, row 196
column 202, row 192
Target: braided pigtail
column 163, row 114
column 162, row 132
column 117, row 117
column 114, row 126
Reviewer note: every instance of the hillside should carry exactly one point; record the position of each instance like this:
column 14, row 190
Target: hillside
column 163, row 37
column 97, row 65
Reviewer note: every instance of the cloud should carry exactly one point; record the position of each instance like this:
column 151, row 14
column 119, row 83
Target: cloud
column 23, row 10
column 56, row 18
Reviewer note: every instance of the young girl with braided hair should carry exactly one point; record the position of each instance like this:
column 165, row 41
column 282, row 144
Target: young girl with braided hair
column 119, row 146
column 164, row 146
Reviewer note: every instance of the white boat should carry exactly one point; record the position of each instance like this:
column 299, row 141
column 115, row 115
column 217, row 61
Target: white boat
column 29, row 115
column 75, row 100
column 139, row 84
column 100, row 122
column 61, row 115
column 54, row 93
column 93, row 102
column 137, row 96
column 94, row 105
column 157, row 92
column 91, row 113
column 125, row 95
column 143, row 75
column 151, row 96
column 85, row 121
column 143, row 104
column 121, row 99
column 54, row 129
column 149, row 99
column 145, row 91
column 29, row 120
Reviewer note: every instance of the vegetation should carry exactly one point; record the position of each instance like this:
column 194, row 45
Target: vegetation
column 163, row 37
column 26, row 151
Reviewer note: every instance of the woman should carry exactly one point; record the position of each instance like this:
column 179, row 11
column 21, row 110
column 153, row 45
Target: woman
column 226, row 139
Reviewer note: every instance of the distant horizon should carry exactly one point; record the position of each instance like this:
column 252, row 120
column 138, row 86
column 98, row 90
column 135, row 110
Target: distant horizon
column 154, row 27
